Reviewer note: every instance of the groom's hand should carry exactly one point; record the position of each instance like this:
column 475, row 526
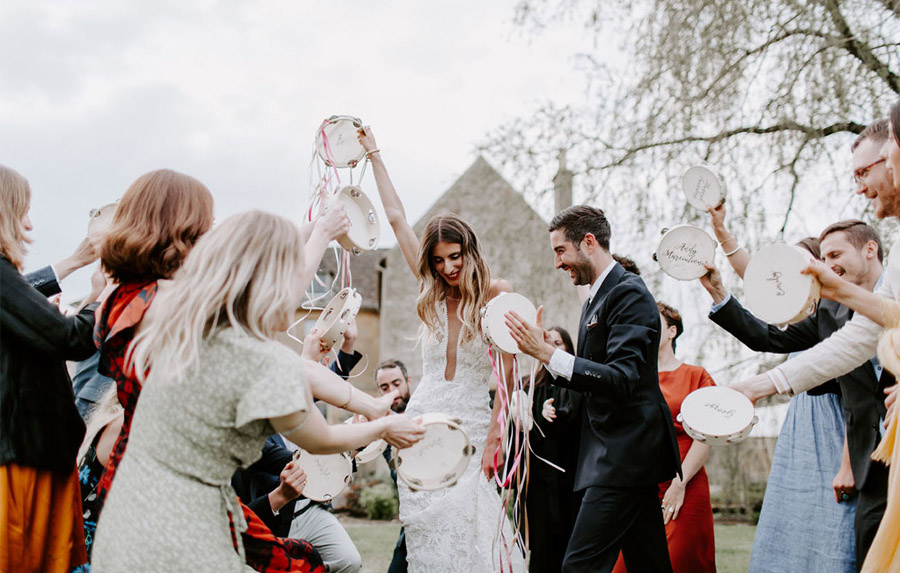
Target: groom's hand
column 531, row 338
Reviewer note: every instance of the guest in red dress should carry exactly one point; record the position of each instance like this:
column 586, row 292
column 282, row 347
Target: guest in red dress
column 685, row 504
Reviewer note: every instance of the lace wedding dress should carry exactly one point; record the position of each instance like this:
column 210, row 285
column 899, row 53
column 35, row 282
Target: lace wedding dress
column 453, row 529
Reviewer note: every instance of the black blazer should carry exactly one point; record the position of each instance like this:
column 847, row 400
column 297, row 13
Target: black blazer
column 862, row 393
column 39, row 424
column 627, row 437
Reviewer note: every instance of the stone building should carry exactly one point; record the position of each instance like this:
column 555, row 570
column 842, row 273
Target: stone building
column 515, row 243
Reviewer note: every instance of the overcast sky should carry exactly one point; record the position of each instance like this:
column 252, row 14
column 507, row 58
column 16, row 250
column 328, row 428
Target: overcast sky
column 95, row 93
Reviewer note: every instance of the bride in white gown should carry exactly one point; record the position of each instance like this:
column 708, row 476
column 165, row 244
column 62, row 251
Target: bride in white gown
column 451, row 529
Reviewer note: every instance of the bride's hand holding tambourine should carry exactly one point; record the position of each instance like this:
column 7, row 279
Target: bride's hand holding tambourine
column 400, row 430
column 367, row 140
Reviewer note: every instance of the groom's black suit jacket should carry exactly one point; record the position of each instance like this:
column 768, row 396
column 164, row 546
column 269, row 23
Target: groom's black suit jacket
column 863, row 393
column 627, row 437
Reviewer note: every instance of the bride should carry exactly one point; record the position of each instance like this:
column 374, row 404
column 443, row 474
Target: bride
column 451, row 529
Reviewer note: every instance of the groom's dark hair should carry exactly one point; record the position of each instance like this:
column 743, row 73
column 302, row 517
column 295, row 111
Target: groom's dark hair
column 579, row 220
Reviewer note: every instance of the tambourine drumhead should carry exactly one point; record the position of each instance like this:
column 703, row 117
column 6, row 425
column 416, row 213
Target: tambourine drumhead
column 101, row 219
column 493, row 319
column 337, row 316
column 438, row 459
column 703, row 187
column 683, row 250
column 365, row 229
column 371, row 452
column 717, row 415
column 337, row 141
column 326, row 476
column 776, row 291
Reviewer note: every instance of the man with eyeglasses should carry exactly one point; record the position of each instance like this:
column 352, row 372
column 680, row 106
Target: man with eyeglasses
column 853, row 344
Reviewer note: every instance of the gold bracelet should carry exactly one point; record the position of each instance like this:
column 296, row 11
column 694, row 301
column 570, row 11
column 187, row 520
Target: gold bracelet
column 368, row 153
column 730, row 238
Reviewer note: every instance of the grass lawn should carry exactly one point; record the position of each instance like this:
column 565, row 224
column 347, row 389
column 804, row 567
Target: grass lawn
column 375, row 541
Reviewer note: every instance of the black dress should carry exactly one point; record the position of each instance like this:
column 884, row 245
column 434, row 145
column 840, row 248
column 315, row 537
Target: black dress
column 550, row 502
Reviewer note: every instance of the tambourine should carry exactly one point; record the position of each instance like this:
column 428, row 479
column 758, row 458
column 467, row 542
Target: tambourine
column 717, row 416
column 101, row 219
column 326, row 476
column 775, row 289
column 337, row 141
column 371, row 452
column 493, row 319
column 337, row 316
column 683, row 250
column 439, row 459
column 703, row 187
column 365, row 229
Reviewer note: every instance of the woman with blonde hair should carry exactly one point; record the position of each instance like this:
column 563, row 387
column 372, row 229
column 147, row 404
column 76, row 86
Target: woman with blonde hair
column 218, row 387
column 452, row 529
column 40, row 428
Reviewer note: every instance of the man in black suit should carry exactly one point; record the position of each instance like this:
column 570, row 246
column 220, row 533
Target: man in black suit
column 627, row 438
column 853, row 250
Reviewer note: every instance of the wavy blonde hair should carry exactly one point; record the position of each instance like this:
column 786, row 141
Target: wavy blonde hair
column 474, row 281
column 239, row 275
column 15, row 200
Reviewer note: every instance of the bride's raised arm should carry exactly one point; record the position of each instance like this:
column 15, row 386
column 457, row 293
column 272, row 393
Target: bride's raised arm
column 393, row 207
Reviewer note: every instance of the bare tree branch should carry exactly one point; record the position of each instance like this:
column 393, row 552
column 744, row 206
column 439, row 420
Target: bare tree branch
column 859, row 49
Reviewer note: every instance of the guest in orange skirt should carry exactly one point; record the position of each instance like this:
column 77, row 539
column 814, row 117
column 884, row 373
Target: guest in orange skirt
column 685, row 504
column 40, row 428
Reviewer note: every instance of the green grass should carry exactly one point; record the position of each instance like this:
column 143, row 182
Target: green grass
column 375, row 541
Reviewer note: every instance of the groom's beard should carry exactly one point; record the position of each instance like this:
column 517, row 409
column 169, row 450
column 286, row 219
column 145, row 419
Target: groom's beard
column 582, row 269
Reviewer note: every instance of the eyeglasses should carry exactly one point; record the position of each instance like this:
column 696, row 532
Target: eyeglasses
column 860, row 174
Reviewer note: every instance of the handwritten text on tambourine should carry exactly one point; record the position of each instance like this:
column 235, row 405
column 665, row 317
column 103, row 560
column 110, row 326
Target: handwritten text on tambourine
column 716, row 407
column 684, row 252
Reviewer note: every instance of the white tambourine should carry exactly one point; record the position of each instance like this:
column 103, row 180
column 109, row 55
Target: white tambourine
column 101, row 219
column 493, row 319
column 703, row 187
column 365, row 229
column 371, row 452
column 439, row 459
column 683, row 250
column 337, row 141
column 337, row 316
column 326, row 476
column 717, row 416
column 776, row 291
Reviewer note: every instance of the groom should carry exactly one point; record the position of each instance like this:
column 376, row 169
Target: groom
column 628, row 441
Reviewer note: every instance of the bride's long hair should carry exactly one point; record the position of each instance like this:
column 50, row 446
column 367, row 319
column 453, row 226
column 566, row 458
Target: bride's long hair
column 239, row 275
column 474, row 277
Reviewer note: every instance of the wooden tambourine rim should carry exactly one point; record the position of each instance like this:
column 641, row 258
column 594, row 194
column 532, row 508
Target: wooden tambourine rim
column 337, row 315
column 99, row 221
column 320, row 147
column 494, row 313
column 356, row 241
column 453, row 474
column 709, row 174
column 762, row 307
column 742, row 426
column 332, row 488
column 670, row 235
